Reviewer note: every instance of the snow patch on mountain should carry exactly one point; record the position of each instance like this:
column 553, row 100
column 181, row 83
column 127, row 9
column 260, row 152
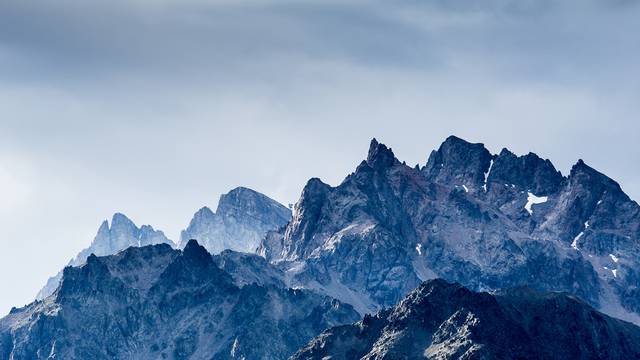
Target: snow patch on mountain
column 574, row 244
column 533, row 200
column 486, row 176
column 480, row 238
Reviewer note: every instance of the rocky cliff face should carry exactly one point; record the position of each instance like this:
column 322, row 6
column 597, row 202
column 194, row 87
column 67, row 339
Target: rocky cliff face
column 486, row 221
column 155, row 302
column 242, row 219
column 122, row 234
column 443, row 321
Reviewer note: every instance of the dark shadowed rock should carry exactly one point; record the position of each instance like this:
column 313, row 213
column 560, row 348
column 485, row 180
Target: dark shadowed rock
column 155, row 302
column 443, row 321
column 526, row 172
column 459, row 162
column 380, row 156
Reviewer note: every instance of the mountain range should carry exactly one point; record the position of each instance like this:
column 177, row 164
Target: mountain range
column 509, row 236
column 242, row 219
column 155, row 302
column 109, row 240
column 486, row 221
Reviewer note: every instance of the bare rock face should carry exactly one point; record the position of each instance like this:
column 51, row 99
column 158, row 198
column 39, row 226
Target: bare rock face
column 486, row 221
column 526, row 172
column 242, row 219
column 439, row 320
column 154, row 302
column 122, row 234
column 458, row 162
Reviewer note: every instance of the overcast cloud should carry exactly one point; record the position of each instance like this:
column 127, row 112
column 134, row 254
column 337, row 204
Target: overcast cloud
column 154, row 108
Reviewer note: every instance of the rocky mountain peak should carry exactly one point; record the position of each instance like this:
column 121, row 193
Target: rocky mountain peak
column 121, row 221
column 241, row 220
column 312, row 198
column 595, row 214
column 528, row 172
column 94, row 275
column 584, row 173
column 147, row 231
column 437, row 287
column 103, row 230
column 92, row 259
column 580, row 165
column 308, row 211
column 314, row 187
column 585, row 179
column 242, row 201
column 506, row 152
column 196, row 252
column 459, row 162
column 203, row 213
column 380, row 156
column 122, row 234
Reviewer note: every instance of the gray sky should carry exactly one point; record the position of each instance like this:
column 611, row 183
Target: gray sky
column 154, row 108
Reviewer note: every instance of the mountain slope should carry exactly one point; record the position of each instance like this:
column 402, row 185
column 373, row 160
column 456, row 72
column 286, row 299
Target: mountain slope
column 486, row 221
column 241, row 220
column 443, row 321
column 156, row 302
column 122, row 234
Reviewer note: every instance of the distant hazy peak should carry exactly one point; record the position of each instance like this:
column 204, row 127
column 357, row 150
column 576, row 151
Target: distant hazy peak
column 242, row 219
column 245, row 200
column 109, row 240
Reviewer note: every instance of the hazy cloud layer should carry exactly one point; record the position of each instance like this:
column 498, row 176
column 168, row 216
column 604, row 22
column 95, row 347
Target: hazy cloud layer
column 154, row 108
